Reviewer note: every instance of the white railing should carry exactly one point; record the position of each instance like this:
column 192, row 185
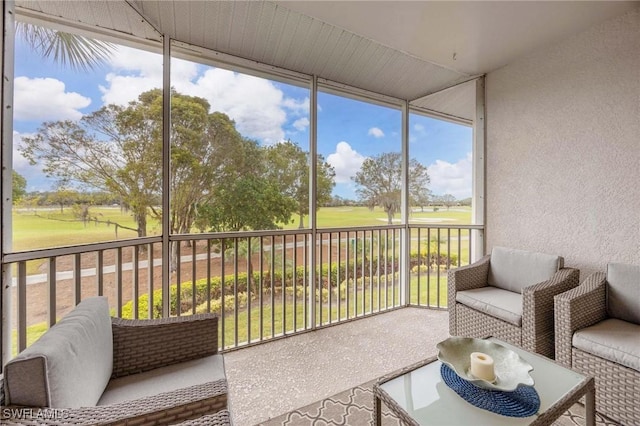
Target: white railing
column 263, row 284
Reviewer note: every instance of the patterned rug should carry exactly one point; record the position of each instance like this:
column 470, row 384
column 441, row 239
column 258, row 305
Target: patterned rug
column 354, row 407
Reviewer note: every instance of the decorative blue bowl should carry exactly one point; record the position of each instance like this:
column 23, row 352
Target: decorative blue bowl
column 510, row 369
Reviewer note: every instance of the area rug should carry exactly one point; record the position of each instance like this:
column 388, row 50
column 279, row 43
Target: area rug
column 354, row 407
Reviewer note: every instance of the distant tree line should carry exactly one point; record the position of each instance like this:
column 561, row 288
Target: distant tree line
column 64, row 197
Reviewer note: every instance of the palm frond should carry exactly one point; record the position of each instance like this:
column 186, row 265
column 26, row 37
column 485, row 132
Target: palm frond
column 80, row 53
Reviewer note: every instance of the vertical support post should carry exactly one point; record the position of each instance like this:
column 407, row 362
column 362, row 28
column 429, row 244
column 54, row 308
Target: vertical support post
column 21, row 295
column 166, row 155
column 51, row 292
column 478, row 208
column 313, row 168
column 405, row 236
column 7, row 29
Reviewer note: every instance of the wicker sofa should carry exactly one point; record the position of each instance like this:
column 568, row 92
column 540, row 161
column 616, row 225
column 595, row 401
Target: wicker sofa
column 598, row 333
column 509, row 295
column 93, row 369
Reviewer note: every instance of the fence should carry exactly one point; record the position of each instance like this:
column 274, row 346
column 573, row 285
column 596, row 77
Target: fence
column 263, row 284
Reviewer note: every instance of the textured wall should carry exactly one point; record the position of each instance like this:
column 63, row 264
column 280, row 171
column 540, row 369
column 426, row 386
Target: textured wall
column 563, row 148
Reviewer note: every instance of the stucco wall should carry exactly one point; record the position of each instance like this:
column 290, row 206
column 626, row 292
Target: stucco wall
column 563, row 148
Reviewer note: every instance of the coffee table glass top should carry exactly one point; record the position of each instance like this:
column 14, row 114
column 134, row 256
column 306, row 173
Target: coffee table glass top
column 426, row 398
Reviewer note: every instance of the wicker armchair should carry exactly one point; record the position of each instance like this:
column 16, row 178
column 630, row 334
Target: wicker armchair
column 139, row 346
column 509, row 295
column 595, row 337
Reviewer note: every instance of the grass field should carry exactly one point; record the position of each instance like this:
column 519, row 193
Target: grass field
column 50, row 228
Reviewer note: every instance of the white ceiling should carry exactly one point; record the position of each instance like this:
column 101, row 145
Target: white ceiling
column 407, row 50
column 471, row 37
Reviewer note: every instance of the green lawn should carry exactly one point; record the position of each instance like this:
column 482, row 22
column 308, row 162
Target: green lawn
column 50, row 228
column 329, row 217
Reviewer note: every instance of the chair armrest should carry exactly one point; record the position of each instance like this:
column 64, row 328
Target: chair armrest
column 143, row 345
column 470, row 276
column 162, row 409
column 578, row 308
column 465, row 278
column 537, row 310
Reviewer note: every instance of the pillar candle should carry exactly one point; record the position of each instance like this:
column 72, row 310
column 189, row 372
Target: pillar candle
column 482, row 366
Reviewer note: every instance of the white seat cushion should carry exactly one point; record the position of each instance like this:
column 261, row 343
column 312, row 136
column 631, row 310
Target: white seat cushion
column 623, row 292
column 499, row 303
column 613, row 339
column 514, row 270
column 70, row 365
column 164, row 379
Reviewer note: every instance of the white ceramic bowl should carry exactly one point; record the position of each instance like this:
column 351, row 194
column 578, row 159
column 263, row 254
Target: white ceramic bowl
column 510, row 369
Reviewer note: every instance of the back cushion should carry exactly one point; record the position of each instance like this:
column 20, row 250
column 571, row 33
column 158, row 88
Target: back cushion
column 514, row 270
column 623, row 292
column 69, row 366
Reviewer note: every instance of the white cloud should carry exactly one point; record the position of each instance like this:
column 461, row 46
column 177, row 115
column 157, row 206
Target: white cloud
column 345, row 161
column 19, row 162
column 376, row 132
column 297, row 106
column 301, row 123
column 36, row 179
column 454, row 179
column 254, row 103
column 258, row 107
column 43, row 99
column 126, row 88
column 133, row 72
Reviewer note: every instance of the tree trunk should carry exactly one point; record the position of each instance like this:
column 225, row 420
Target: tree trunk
column 173, row 263
column 301, row 225
column 390, row 217
column 142, row 224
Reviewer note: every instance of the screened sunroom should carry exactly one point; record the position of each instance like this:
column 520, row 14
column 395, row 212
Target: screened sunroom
column 292, row 166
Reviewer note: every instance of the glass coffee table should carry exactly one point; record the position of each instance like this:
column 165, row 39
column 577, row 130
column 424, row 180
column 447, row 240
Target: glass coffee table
column 419, row 396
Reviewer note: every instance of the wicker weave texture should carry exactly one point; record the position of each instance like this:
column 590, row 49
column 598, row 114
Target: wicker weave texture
column 162, row 409
column 538, row 317
column 578, row 308
column 472, row 323
column 221, row 418
column 537, row 331
column 143, row 345
column 464, row 278
column 617, row 387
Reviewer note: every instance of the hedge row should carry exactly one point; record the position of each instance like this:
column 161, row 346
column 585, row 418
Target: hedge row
column 214, row 294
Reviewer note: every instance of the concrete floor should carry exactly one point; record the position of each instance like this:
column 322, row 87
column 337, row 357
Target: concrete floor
column 276, row 377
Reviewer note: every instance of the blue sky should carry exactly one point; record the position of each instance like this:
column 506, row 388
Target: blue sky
column 348, row 130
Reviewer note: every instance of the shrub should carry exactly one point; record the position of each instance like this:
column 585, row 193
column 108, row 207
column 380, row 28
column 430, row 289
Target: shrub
column 423, row 269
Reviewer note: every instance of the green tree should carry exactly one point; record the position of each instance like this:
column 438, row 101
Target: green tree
column 419, row 196
column 288, row 167
column 448, row 200
column 379, row 181
column 115, row 149
column 62, row 197
column 248, row 202
column 119, row 150
column 18, row 186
